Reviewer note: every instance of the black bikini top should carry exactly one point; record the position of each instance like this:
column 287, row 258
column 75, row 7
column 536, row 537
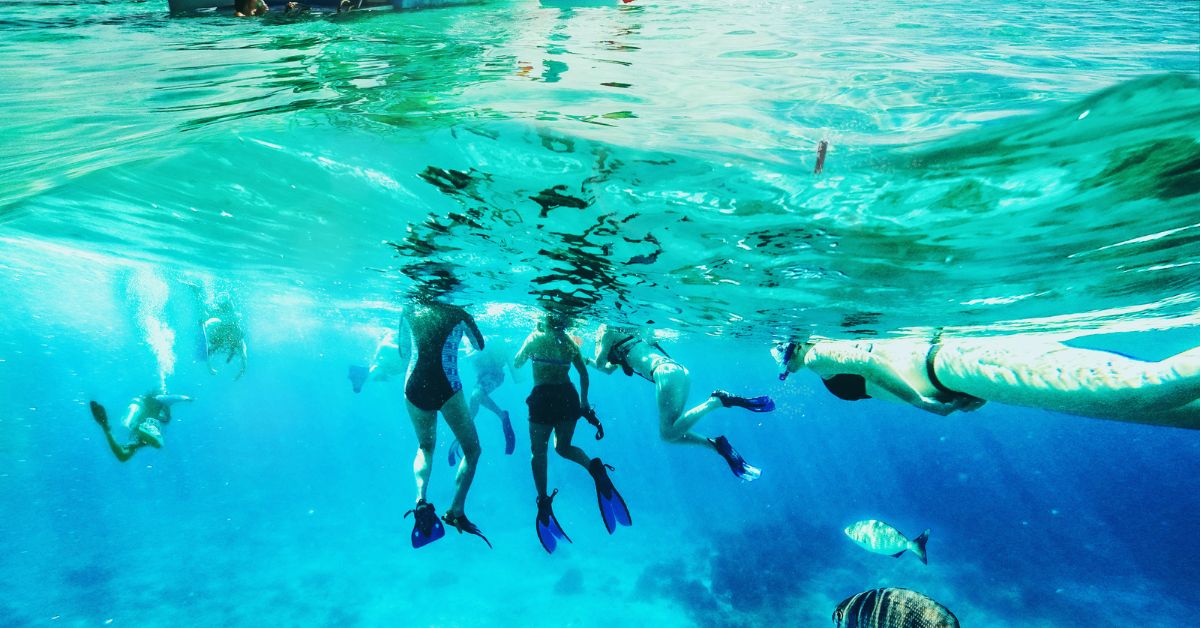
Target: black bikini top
column 618, row 353
column 847, row 387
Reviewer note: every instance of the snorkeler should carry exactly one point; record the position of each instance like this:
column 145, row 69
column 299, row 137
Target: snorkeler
column 146, row 416
column 633, row 353
column 429, row 336
column 555, row 408
column 385, row 364
column 223, row 335
column 489, row 375
column 943, row 375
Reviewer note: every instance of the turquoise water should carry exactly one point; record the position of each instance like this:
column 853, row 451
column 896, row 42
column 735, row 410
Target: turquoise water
column 993, row 167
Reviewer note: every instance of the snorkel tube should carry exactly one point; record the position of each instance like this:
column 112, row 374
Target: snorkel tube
column 784, row 354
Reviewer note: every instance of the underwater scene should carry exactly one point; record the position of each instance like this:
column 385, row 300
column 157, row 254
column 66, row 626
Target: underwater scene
column 593, row 313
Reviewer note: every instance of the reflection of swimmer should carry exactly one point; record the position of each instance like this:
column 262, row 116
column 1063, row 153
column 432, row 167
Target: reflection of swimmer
column 224, row 335
column 144, row 420
column 385, row 364
column 633, row 353
column 951, row 374
column 429, row 335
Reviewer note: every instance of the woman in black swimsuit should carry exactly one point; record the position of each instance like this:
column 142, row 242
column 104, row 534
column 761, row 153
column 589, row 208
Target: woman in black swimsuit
column 429, row 336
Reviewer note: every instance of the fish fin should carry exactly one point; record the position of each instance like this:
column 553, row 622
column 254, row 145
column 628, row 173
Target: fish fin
column 918, row 546
column 897, row 554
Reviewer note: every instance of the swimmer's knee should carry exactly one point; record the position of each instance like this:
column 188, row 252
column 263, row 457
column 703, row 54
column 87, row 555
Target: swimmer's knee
column 670, row 435
column 563, row 449
column 471, row 452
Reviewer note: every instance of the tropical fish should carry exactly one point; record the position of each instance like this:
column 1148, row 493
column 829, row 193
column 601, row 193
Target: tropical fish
column 881, row 538
column 892, row 608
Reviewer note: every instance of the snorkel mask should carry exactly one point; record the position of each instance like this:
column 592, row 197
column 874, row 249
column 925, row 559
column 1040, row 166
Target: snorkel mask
column 783, row 354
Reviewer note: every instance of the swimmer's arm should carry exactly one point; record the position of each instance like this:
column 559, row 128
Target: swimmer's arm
column 522, row 354
column 602, row 349
column 403, row 335
column 242, row 355
column 577, row 360
column 473, row 334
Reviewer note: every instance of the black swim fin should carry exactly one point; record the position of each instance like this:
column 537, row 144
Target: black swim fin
column 99, row 414
column 612, row 506
column 548, row 530
column 427, row 528
column 465, row 525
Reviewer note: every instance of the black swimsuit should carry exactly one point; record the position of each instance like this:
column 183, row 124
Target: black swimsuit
column 618, row 354
column 433, row 353
column 847, row 387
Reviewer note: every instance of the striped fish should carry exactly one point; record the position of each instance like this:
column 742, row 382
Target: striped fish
column 892, row 608
column 881, row 538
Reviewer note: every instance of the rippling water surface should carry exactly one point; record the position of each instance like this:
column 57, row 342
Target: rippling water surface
column 986, row 165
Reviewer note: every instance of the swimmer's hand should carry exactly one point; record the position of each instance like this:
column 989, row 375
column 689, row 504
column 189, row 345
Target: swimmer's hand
column 930, row 404
column 969, row 404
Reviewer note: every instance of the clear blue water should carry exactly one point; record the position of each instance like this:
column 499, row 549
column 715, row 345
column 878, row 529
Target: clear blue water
column 1020, row 167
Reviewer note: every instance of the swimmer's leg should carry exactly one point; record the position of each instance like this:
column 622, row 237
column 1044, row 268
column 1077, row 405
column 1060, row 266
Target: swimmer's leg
column 458, row 417
column 122, row 452
column 674, row 425
column 563, row 433
column 425, row 425
column 539, row 440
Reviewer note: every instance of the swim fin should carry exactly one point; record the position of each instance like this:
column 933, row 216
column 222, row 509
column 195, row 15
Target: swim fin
column 427, row 528
column 455, row 453
column 612, row 505
column 358, row 376
column 510, row 437
column 753, row 404
column 737, row 463
column 464, row 525
column 99, row 414
column 548, row 530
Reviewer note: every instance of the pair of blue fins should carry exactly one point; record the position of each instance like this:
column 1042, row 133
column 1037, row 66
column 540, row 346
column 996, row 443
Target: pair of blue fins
column 612, row 508
column 427, row 527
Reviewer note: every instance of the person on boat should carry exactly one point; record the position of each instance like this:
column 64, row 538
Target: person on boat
column 555, row 408
column 944, row 375
column 384, row 365
column 145, row 419
column 637, row 352
column 224, row 336
column 250, row 8
column 429, row 336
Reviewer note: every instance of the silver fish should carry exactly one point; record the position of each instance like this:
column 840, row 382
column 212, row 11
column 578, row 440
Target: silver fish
column 892, row 608
column 881, row 538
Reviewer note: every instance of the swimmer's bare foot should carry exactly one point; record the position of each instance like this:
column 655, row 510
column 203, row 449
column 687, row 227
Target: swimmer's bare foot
column 99, row 414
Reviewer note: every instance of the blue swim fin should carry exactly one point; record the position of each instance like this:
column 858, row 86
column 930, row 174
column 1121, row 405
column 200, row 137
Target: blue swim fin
column 737, row 463
column 548, row 530
column 455, row 453
column 510, row 437
column 427, row 528
column 358, row 376
column 753, row 404
column 612, row 506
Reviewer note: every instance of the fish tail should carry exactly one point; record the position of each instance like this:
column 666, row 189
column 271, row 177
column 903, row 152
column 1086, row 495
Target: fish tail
column 918, row 546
